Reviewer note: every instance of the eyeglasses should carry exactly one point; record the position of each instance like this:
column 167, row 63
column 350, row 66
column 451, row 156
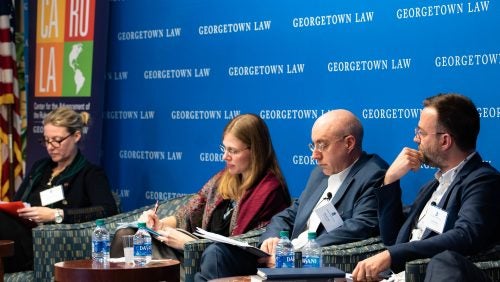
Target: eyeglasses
column 419, row 133
column 320, row 146
column 55, row 143
column 231, row 151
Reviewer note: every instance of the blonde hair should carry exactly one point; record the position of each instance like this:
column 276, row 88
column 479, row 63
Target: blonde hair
column 67, row 117
column 251, row 130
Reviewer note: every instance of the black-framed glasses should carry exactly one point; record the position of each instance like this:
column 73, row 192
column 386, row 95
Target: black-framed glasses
column 419, row 133
column 231, row 151
column 55, row 143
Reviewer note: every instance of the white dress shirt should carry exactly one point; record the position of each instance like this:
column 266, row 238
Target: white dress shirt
column 334, row 182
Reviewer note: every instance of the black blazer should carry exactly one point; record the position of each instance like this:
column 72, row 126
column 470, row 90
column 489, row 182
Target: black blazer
column 86, row 190
column 473, row 224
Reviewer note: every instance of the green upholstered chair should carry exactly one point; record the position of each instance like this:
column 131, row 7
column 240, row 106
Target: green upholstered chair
column 346, row 256
column 489, row 261
column 343, row 256
column 194, row 249
column 60, row 242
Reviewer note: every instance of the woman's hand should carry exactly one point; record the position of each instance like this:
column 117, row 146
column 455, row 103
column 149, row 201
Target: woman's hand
column 151, row 219
column 37, row 214
column 173, row 238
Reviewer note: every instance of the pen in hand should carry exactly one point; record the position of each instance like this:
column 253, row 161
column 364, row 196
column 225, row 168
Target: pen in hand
column 156, row 207
column 155, row 210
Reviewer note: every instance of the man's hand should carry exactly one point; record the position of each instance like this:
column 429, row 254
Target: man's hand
column 408, row 159
column 269, row 246
column 368, row 269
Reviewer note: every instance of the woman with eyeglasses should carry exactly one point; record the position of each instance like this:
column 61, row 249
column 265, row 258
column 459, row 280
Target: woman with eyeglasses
column 242, row 197
column 63, row 188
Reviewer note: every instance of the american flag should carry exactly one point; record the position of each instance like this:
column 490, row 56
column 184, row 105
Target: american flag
column 10, row 107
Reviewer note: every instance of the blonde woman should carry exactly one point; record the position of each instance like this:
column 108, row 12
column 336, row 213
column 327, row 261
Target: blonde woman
column 84, row 188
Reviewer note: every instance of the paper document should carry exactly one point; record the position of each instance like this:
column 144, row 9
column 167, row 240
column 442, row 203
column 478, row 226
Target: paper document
column 223, row 239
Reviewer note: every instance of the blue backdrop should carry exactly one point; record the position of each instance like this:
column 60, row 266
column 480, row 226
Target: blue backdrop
column 177, row 71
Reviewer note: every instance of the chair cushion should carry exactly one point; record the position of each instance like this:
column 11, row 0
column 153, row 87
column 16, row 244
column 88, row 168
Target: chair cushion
column 22, row 276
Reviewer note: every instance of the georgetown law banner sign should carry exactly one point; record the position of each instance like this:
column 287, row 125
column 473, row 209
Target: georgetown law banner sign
column 179, row 70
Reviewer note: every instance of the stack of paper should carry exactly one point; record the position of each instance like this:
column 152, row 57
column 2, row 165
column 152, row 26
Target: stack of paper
column 223, row 239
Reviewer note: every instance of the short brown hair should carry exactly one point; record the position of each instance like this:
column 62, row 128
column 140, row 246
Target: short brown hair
column 458, row 115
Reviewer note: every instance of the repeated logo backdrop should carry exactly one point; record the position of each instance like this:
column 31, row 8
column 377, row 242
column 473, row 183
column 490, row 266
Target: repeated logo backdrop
column 178, row 71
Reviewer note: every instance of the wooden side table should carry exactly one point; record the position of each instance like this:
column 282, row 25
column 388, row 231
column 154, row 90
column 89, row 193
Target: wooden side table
column 233, row 279
column 6, row 250
column 86, row 270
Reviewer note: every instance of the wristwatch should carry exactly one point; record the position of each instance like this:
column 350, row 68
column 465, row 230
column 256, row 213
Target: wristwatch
column 58, row 216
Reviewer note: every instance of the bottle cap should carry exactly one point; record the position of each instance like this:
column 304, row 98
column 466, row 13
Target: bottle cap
column 284, row 233
column 99, row 222
column 141, row 224
column 311, row 235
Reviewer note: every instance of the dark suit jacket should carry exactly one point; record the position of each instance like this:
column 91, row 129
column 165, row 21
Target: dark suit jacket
column 473, row 205
column 355, row 202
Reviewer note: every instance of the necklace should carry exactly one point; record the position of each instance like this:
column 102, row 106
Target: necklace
column 55, row 172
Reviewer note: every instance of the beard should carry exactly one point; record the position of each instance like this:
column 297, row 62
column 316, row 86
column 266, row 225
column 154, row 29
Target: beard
column 430, row 157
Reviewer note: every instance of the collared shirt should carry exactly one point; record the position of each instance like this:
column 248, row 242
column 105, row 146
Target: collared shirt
column 444, row 179
column 334, row 182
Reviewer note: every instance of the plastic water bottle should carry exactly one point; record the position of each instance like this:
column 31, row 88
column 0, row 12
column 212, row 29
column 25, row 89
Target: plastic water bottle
column 311, row 252
column 284, row 251
column 100, row 243
column 142, row 245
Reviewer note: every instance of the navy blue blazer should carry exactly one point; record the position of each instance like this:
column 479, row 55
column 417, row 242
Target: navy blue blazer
column 355, row 202
column 471, row 201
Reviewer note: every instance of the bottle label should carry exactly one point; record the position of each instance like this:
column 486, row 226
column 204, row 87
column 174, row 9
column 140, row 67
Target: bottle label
column 143, row 250
column 99, row 246
column 285, row 261
column 311, row 261
column 106, row 246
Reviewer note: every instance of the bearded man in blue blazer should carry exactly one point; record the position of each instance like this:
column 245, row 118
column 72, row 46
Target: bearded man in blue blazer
column 345, row 179
column 455, row 214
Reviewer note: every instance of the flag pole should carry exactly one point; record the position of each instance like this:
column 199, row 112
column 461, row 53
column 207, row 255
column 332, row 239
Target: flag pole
column 10, row 192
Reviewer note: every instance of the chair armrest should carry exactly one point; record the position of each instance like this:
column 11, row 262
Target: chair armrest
column 346, row 256
column 357, row 244
column 491, row 267
column 194, row 249
column 59, row 242
column 488, row 260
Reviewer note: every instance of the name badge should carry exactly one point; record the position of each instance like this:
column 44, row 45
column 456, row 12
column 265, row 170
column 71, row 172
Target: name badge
column 329, row 216
column 52, row 195
column 436, row 219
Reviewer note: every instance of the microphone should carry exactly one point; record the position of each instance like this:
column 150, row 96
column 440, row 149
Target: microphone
column 328, row 196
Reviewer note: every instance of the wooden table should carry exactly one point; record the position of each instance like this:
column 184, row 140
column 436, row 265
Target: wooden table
column 85, row 270
column 6, row 250
column 233, row 279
